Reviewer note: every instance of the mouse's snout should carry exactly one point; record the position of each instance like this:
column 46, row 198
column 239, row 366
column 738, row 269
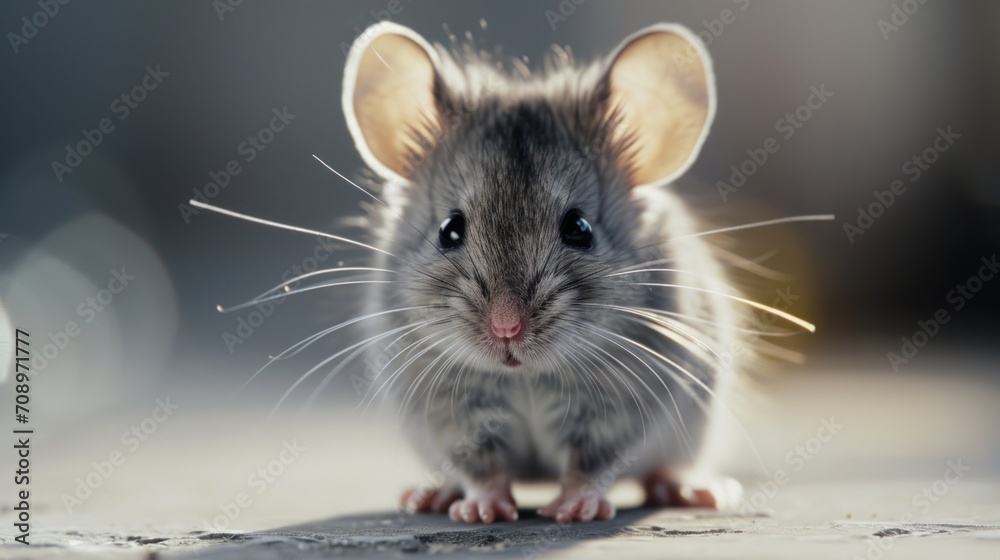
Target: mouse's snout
column 507, row 322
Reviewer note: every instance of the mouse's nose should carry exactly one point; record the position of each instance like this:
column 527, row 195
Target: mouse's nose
column 506, row 322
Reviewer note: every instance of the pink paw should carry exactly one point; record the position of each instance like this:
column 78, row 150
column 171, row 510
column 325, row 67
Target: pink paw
column 664, row 488
column 429, row 500
column 485, row 507
column 579, row 504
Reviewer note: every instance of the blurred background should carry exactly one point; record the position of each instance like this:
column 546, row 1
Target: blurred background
column 95, row 229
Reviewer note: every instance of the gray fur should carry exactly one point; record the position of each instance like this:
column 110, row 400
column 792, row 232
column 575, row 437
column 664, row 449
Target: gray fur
column 514, row 154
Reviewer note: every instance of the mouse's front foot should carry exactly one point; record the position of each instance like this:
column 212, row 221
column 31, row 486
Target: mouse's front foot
column 485, row 502
column 579, row 501
column 428, row 499
column 667, row 488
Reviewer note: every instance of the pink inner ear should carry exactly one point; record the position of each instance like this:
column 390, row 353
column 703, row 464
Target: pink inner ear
column 393, row 96
column 666, row 99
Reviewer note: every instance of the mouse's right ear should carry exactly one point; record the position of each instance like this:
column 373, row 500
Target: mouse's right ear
column 389, row 100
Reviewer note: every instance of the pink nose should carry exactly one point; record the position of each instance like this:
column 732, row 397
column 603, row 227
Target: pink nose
column 506, row 323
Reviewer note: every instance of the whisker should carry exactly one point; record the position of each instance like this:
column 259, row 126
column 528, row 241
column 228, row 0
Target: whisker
column 700, row 384
column 787, row 316
column 643, row 413
column 753, row 265
column 411, row 390
column 387, row 384
column 765, row 223
column 258, row 300
column 279, row 225
column 392, row 210
column 789, row 219
column 284, row 285
column 329, row 376
column 713, row 279
column 681, row 430
column 700, row 344
column 308, row 341
column 309, row 373
column 685, row 317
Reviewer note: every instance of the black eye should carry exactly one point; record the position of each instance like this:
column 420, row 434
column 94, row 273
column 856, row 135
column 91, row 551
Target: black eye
column 576, row 231
column 452, row 232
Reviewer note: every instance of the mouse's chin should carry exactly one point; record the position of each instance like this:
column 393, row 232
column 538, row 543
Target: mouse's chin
column 511, row 361
column 508, row 356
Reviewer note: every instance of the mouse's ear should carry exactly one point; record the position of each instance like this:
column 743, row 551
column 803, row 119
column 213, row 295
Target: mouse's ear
column 388, row 97
column 660, row 87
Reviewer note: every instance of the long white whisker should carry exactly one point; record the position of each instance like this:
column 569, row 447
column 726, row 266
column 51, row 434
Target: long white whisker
column 712, row 279
column 387, row 384
column 279, row 225
column 309, row 373
column 308, row 341
column 259, row 300
column 685, row 317
column 284, row 285
column 389, row 208
column 787, row 316
column 412, row 389
column 790, row 219
column 701, row 345
column 329, row 376
column 701, row 384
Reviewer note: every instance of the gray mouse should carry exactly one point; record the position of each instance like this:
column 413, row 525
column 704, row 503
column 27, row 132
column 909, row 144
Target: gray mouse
column 553, row 310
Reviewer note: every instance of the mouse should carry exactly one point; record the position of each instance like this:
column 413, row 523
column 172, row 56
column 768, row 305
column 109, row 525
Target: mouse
column 551, row 308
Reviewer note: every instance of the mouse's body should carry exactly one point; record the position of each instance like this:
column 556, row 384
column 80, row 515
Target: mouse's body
column 523, row 215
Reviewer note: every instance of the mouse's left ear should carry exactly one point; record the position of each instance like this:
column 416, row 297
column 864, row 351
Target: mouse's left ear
column 660, row 85
column 389, row 97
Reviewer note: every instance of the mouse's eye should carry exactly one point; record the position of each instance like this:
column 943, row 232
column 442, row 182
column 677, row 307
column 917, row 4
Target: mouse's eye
column 576, row 231
column 452, row 231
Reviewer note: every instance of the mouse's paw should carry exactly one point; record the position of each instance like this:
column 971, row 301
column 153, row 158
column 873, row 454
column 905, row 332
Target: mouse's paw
column 484, row 505
column 579, row 502
column 666, row 488
column 427, row 499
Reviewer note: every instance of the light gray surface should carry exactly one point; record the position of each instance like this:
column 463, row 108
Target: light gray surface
column 899, row 434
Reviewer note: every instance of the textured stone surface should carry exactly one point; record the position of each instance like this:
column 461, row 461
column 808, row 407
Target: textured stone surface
column 880, row 488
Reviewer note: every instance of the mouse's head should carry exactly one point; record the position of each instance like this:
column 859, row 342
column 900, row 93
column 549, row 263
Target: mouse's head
column 522, row 188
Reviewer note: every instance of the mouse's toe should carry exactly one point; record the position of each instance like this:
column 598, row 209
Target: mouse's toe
column 429, row 499
column 668, row 489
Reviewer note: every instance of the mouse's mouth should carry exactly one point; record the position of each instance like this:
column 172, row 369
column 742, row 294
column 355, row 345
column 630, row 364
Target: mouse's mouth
column 510, row 360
